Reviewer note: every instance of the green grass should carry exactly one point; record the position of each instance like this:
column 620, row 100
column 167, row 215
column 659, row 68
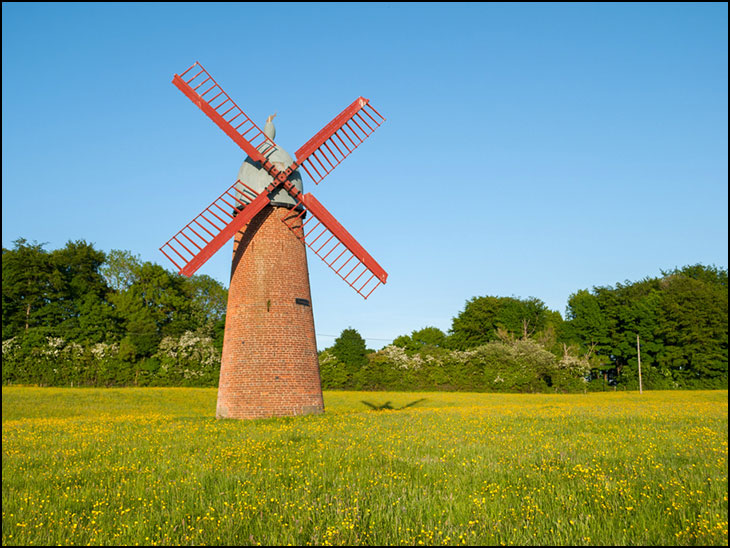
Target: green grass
column 153, row 466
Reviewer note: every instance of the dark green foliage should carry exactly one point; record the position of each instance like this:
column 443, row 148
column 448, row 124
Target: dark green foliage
column 120, row 269
column 30, row 283
column 499, row 366
column 681, row 322
column 420, row 339
column 77, row 316
column 154, row 305
column 333, row 373
column 483, row 318
column 350, row 350
column 693, row 326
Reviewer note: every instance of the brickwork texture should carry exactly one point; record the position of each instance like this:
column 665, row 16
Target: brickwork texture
column 269, row 365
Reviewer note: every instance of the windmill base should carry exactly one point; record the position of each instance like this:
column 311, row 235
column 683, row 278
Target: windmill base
column 269, row 366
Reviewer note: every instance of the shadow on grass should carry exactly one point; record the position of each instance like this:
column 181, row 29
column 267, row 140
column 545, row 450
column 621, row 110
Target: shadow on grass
column 387, row 405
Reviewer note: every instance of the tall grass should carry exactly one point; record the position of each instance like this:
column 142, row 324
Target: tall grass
column 153, row 466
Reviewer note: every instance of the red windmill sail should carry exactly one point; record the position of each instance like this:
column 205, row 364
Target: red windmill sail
column 198, row 240
column 336, row 246
column 201, row 89
column 338, row 139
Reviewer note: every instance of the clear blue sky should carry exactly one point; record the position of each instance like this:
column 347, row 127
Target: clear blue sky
column 530, row 150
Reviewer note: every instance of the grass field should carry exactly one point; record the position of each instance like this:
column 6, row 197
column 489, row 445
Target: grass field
column 153, row 466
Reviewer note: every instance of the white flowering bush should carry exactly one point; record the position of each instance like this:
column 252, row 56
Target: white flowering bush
column 400, row 360
column 332, row 372
column 11, row 360
column 52, row 361
column 188, row 360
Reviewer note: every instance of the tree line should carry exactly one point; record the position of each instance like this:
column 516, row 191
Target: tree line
column 676, row 323
column 79, row 316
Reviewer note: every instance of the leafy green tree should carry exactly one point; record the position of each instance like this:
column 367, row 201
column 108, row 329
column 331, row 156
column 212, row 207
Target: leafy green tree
column 350, row 350
column 421, row 338
column 98, row 321
column 30, row 282
column 79, row 264
column 585, row 321
column 483, row 317
column 82, row 291
column 56, row 291
column 694, row 329
column 608, row 320
column 208, row 297
column 209, row 301
column 121, row 269
column 155, row 305
column 680, row 319
column 710, row 275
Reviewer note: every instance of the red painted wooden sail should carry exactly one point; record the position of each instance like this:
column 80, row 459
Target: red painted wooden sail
column 339, row 250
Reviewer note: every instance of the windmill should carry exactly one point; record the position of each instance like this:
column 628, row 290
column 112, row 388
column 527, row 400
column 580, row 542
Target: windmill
column 269, row 365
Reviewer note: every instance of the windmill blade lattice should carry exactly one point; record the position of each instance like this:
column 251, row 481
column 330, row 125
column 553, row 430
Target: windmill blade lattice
column 338, row 139
column 335, row 246
column 198, row 240
column 204, row 91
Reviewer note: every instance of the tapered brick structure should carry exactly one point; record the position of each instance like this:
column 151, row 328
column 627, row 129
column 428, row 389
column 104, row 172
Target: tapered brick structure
column 269, row 365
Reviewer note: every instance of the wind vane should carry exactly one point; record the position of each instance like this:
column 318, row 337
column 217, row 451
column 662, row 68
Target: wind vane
column 269, row 365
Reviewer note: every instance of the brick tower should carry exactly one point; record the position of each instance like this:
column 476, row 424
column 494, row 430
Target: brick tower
column 269, row 365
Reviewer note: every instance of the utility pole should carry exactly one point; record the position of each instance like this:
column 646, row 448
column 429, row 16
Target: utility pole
column 638, row 357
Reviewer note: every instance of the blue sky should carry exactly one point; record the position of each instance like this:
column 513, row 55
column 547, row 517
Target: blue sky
column 530, row 150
